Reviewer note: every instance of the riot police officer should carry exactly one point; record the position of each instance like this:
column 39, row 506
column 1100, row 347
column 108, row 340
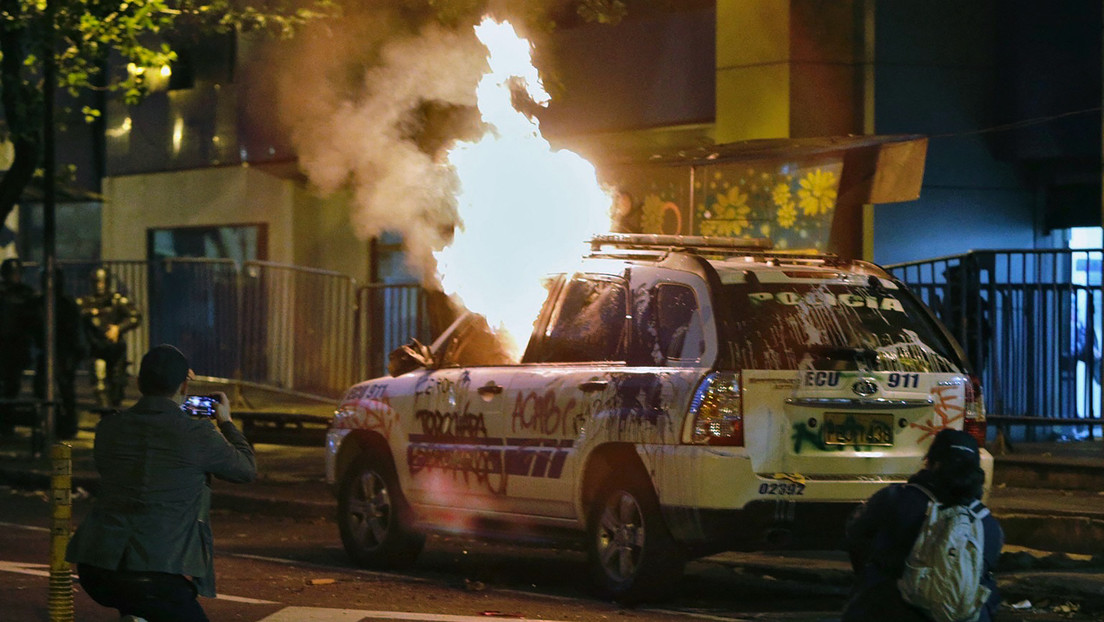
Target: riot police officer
column 109, row 315
column 71, row 347
column 18, row 323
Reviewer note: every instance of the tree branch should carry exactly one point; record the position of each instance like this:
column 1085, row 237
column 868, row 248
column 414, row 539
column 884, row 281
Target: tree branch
column 21, row 105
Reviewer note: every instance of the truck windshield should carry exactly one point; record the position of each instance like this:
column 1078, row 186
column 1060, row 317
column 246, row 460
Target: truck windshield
column 834, row 326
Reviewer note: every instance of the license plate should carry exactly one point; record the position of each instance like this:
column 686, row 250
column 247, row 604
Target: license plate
column 858, row 429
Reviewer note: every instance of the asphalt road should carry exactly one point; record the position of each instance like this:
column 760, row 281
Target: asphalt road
column 277, row 569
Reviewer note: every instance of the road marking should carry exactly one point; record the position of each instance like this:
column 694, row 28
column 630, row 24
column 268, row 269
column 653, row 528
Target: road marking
column 246, row 600
column 27, row 527
column 43, row 570
column 25, row 568
column 320, row 614
column 735, row 617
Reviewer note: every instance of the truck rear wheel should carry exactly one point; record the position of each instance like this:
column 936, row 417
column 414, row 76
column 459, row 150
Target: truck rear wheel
column 632, row 554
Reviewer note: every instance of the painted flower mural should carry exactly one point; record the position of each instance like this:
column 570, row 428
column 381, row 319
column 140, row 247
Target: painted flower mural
column 791, row 204
column 728, row 215
column 660, row 216
column 818, row 192
column 783, row 200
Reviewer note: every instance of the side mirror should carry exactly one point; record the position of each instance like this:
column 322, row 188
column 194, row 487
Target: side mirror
column 409, row 357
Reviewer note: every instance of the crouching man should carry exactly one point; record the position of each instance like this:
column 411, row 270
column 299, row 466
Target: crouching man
column 146, row 546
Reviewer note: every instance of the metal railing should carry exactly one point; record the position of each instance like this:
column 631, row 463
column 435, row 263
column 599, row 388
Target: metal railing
column 1029, row 322
column 298, row 328
column 389, row 316
column 287, row 328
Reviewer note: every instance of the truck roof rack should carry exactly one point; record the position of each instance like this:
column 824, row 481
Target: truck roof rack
column 655, row 241
column 630, row 245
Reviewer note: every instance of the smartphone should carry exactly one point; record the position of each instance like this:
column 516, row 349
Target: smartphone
column 201, row 405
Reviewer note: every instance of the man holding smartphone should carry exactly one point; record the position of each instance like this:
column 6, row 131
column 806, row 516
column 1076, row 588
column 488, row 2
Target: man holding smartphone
column 146, row 548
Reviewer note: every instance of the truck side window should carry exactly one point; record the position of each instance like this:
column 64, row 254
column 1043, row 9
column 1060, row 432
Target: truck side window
column 678, row 323
column 588, row 325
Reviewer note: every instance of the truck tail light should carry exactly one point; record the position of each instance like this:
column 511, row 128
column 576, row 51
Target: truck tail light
column 974, row 414
column 718, row 411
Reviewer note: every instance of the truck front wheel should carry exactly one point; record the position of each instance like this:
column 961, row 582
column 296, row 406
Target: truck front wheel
column 374, row 518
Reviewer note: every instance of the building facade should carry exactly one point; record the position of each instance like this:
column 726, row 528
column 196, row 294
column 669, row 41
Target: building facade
column 1008, row 94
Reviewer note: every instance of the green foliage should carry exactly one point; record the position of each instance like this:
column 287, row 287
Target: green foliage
column 82, row 36
column 86, row 33
column 90, row 113
column 602, row 11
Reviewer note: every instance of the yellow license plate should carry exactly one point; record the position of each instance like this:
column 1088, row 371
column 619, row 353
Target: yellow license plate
column 858, row 429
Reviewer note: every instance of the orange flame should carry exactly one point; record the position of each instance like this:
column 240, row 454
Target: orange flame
column 525, row 209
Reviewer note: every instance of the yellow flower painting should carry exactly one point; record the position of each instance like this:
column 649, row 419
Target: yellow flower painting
column 783, row 200
column 729, row 214
column 817, row 194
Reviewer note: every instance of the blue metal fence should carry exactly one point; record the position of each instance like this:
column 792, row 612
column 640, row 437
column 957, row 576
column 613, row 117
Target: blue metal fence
column 1030, row 323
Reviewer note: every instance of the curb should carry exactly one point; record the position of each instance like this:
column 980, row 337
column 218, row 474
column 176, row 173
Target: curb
column 220, row 499
column 1050, row 590
column 33, row 480
column 1049, row 473
column 1053, row 532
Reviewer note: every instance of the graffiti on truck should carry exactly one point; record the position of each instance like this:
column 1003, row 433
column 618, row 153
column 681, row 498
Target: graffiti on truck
column 541, row 414
column 948, row 404
column 457, row 443
column 451, row 425
column 366, row 407
column 633, row 408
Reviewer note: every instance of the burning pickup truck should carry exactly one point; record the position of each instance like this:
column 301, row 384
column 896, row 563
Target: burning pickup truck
column 679, row 396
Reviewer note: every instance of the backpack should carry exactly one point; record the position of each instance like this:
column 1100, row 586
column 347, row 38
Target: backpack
column 943, row 570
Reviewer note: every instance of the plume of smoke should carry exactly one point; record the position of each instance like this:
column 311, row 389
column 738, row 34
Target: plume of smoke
column 365, row 103
column 349, row 92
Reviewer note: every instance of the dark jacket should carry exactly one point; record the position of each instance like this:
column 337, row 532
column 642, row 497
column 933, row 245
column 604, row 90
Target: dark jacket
column 70, row 337
column 153, row 509
column 19, row 319
column 879, row 537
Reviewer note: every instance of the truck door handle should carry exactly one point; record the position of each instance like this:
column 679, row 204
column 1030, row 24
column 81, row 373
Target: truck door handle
column 489, row 389
column 593, row 385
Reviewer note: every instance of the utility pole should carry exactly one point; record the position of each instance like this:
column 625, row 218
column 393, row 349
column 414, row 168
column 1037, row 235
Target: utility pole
column 60, row 600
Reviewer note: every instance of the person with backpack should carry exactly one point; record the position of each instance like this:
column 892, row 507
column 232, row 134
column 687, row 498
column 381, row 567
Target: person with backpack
column 926, row 550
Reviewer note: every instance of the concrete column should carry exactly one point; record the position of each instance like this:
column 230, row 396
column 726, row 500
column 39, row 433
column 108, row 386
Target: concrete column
column 753, row 70
column 789, row 68
column 867, row 34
